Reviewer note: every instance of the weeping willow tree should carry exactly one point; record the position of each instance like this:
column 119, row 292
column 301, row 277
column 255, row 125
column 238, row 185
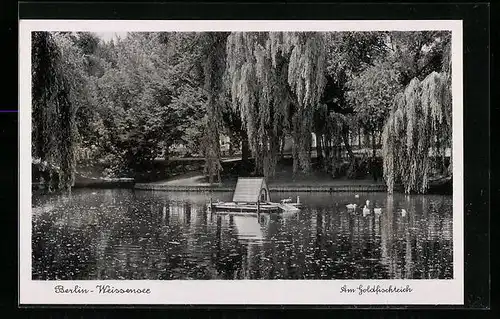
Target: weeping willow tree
column 331, row 129
column 57, row 91
column 214, row 57
column 420, row 124
column 336, row 133
column 275, row 79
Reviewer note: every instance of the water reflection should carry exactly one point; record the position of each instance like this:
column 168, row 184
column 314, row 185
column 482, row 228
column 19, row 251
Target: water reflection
column 119, row 234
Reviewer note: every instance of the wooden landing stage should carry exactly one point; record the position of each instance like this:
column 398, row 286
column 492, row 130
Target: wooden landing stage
column 238, row 208
column 252, row 196
column 244, row 208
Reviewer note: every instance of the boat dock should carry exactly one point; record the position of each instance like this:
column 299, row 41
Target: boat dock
column 252, row 196
column 242, row 207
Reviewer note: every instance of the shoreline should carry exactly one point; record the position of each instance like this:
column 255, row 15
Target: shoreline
column 272, row 188
column 195, row 184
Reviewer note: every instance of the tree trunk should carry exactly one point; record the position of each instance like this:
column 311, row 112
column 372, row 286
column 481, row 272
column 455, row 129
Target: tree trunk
column 450, row 165
column 442, row 146
column 282, row 148
column 374, row 147
column 306, row 164
column 359, row 138
column 327, row 153
column 230, row 150
column 374, row 154
column 295, row 153
column 245, row 149
column 295, row 159
column 345, row 136
column 319, row 149
column 443, row 162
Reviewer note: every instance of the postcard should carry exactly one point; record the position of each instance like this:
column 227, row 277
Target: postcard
column 174, row 162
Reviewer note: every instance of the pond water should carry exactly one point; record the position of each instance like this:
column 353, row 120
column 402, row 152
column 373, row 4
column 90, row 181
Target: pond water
column 124, row 234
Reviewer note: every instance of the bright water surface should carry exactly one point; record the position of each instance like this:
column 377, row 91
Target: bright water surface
column 123, row 234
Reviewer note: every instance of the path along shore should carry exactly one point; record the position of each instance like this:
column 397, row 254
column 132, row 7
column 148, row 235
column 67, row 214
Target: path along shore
column 196, row 182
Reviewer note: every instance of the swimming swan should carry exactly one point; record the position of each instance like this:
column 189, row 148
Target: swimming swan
column 366, row 211
column 351, row 206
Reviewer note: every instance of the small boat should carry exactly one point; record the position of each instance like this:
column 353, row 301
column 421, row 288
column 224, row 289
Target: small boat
column 252, row 196
column 245, row 207
column 403, row 212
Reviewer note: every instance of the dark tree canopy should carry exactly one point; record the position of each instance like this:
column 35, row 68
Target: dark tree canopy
column 58, row 91
column 122, row 103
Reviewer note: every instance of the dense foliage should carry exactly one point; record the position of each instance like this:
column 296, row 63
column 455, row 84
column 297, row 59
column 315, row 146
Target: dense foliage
column 419, row 128
column 125, row 102
column 419, row 124
column 275, row 80
column 58, row 91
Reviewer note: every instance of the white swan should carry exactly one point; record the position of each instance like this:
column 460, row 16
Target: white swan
column 366, row 210
column 351, row 206
column 403, row 212
column 377, row 211
column 356, row 196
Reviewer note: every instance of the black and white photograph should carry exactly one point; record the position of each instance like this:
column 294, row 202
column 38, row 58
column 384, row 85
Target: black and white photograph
column 242, row 156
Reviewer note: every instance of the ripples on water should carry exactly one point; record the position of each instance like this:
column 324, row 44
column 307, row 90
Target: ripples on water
column 121, row 234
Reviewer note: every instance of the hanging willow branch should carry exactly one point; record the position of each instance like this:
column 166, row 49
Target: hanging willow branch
column 213, row 66
column 419, row 124
column 57, row 90
column 275, row 79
